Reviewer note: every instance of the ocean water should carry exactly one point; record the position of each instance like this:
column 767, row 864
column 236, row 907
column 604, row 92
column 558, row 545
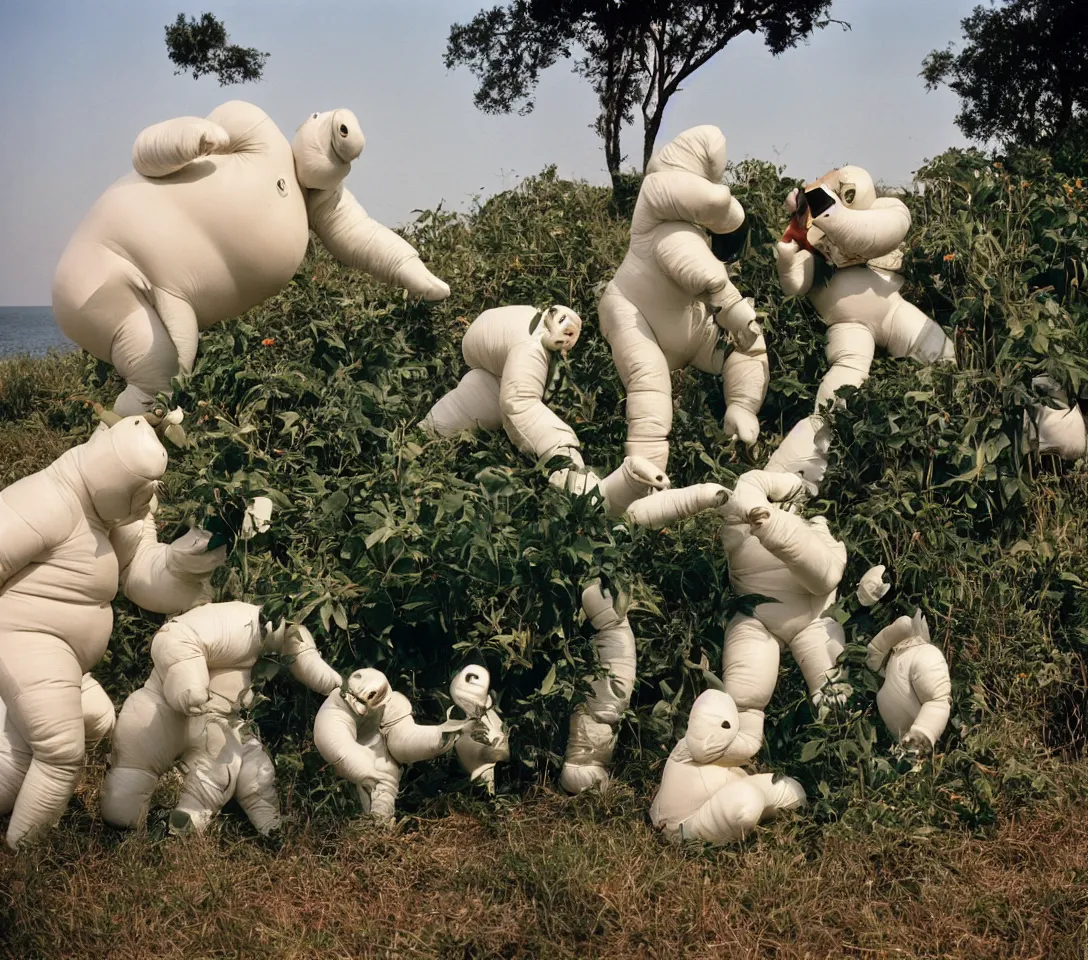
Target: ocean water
column 30, row 330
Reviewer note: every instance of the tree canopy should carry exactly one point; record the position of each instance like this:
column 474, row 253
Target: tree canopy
column 1022, row 73
column 634, row 53
column 202, row 46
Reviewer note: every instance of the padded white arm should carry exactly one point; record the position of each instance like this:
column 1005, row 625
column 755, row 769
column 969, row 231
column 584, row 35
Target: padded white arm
column 932, row 686
column 815, row 560
column 179, row 657
column 363, row 244
column 408, row 741
column 22, row 541
column 165, row 148
column 745, row 378
column 796, row 268
column 306, row 663
column 368, row 765
column 686, row 258
column 167, row 578
column 866, row 233
column 665, row 507
column 531, row 425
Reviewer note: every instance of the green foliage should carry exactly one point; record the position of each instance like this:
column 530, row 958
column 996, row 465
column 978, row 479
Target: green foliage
column 1022, row 76
column 415, row 555
column 202, row 46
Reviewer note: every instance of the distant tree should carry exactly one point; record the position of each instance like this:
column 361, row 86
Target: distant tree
column 202, row 47
column 634, row 53
column 1022, row 75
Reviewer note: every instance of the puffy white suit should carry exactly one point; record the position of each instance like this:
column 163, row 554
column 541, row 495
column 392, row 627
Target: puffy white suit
column 190, row 707
column 915, row 699
column 509, row 351
column 776, row 553
column 859, row 236
column 68, row 535
column 670, row 299
column 215, row 219
column 705, row 794
column 366, row 731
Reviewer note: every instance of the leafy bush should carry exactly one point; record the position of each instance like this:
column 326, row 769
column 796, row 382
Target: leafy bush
column 414, row 555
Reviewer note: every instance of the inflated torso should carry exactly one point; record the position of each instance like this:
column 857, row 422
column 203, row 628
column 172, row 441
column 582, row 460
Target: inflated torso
column 494, row 333
column 896, row 701
column 68, row 591
column 858, row 294
column 223, row 224
column 753, row 569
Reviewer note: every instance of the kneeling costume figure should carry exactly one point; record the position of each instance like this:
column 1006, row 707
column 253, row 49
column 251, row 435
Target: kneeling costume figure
column 367, row 732
column 856, row 236
column 69, row 536
column 915, row 699
column 510, row 353
column 190, row 707
column 705, row 794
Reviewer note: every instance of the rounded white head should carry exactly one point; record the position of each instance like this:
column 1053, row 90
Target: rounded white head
column 366, row 690
column 469, row 690
column 324, row 147
column 713, row 725
column 562, row 327
column 852, row 185
column 120, row 467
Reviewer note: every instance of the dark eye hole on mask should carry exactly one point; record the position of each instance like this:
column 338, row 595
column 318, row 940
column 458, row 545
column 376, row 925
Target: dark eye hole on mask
column 471, row 678
column 343, row 129
column 848, row 195
column 726, row 725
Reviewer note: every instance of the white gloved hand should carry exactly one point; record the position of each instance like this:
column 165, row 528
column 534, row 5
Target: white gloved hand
column 871, row 587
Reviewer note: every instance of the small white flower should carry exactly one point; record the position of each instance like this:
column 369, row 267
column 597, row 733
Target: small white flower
column 871, row 587
column 175, row 416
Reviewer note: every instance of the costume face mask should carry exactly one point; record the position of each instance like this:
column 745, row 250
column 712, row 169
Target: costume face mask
column 324, row 147
column 366, row 690
column 562, row 327
column 469, row 690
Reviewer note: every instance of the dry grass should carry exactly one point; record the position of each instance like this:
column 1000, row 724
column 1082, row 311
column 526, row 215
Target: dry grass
column 548, row 877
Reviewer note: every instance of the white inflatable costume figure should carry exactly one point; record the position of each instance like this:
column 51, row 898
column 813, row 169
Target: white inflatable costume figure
column 776, row 553
column 638, row 491
column 366, row 731
column 69, row 536
column 705, row 794
column 671, row 298
column 190, row 708
column 509, row 351
column 594, row 722
column 915, row 699
column 1055, row 430
column 859, row 235
column 215, row 219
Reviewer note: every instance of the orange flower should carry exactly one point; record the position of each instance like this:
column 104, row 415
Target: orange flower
column 1079, row 184
column 949, row 257
column 268, row 341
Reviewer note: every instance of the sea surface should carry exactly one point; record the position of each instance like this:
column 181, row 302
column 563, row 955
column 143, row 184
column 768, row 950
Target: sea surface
column 30, row 330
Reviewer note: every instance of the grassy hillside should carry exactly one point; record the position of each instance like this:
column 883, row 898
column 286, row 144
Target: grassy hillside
column 416, row 555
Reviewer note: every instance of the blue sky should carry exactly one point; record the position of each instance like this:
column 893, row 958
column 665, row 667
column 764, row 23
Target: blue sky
column 79, row 80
